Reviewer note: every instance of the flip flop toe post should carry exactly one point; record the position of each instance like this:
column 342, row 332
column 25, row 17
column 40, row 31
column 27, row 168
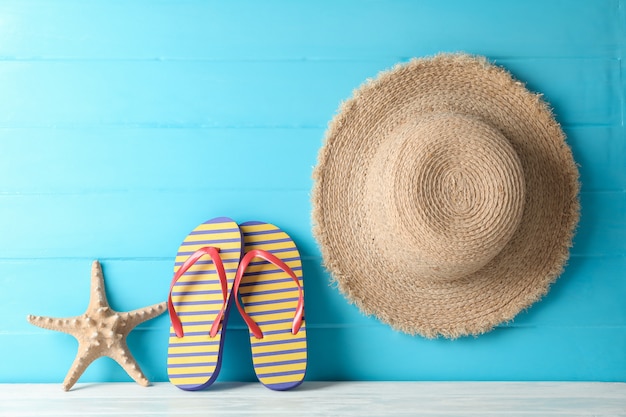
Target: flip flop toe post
column 199, row 300
column 270, row 285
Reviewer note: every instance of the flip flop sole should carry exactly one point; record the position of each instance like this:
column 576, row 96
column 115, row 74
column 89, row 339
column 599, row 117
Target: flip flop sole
column 270, row 298
column 194, row 361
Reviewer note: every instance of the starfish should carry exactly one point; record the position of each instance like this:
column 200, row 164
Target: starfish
column 101, row 331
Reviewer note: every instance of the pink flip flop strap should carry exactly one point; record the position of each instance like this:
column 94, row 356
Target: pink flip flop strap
column 213, row 252
column 245, row 261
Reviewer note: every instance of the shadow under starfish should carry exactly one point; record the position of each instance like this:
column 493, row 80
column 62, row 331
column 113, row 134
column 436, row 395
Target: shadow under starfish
column 101, row 331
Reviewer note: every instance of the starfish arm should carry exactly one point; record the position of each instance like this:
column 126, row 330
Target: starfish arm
column 138, row 316
column 98, row 298
column 65, row 325
column 122, row 355
column 85, row 356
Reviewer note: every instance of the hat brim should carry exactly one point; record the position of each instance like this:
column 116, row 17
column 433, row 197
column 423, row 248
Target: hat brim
column 531, row 260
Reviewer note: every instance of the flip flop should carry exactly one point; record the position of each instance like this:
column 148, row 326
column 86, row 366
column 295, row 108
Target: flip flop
column 269, row 282
column 199, row 301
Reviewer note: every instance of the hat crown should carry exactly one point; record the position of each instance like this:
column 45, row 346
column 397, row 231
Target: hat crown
column 449, row 193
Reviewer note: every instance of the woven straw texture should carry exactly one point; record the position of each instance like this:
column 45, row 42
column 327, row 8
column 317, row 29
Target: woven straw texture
column 445, row 197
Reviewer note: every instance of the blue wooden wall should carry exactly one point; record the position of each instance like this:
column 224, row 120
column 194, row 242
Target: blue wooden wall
column 124, row 124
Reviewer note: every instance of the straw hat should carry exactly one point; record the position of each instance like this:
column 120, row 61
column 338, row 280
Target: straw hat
column 445, row 197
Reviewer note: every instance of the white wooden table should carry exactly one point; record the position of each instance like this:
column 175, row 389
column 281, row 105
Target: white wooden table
column 319, row 399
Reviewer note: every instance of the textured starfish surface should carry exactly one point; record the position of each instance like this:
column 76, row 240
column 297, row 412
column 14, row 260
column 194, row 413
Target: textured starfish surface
column 101, row 331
